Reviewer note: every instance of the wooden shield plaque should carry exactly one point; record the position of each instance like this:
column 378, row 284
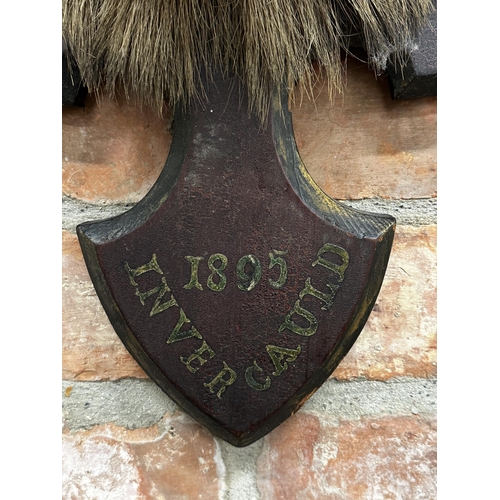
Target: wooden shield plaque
column 236, row 283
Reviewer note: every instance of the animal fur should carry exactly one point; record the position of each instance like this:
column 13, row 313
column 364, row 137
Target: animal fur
column 157, row 50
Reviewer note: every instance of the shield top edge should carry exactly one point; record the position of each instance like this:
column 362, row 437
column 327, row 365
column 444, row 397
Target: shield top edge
column 115, row 227
column 359, row 223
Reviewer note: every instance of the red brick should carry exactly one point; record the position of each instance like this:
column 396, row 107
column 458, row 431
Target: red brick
column 112, row 151
column 91, row 350
column 367, row 145
column 388, row 458
column 399, row 338
column 114, row 463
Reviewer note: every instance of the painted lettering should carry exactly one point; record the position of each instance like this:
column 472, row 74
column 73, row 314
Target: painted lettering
column 299, row 330
column 198, row 356
column 178, row 334
column 276, row 260
column 248, row 280
column 327, row 298
column 225, row 377
column 193, row 282
column 338, row 269
column 217, row 271
column 251, row 380
column 278, row 354
column 159, row 290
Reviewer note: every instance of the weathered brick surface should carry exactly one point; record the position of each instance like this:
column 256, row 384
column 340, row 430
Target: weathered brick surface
column 368, row 145
column 112, row 151
column 364, row 146
column 398, row 340
column 178, row 461
column 310, row 456
column 91, row 350
column 390, row 458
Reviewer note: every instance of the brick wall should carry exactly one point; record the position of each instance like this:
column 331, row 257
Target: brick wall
column 370, row 431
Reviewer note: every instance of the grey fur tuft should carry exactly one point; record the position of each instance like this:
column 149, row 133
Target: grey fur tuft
column 158, row 50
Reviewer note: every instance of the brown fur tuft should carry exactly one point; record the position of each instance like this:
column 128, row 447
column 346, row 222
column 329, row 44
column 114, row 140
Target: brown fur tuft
column 157, row 50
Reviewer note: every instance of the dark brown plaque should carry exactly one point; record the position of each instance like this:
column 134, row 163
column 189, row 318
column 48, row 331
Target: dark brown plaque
column 236, row 283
